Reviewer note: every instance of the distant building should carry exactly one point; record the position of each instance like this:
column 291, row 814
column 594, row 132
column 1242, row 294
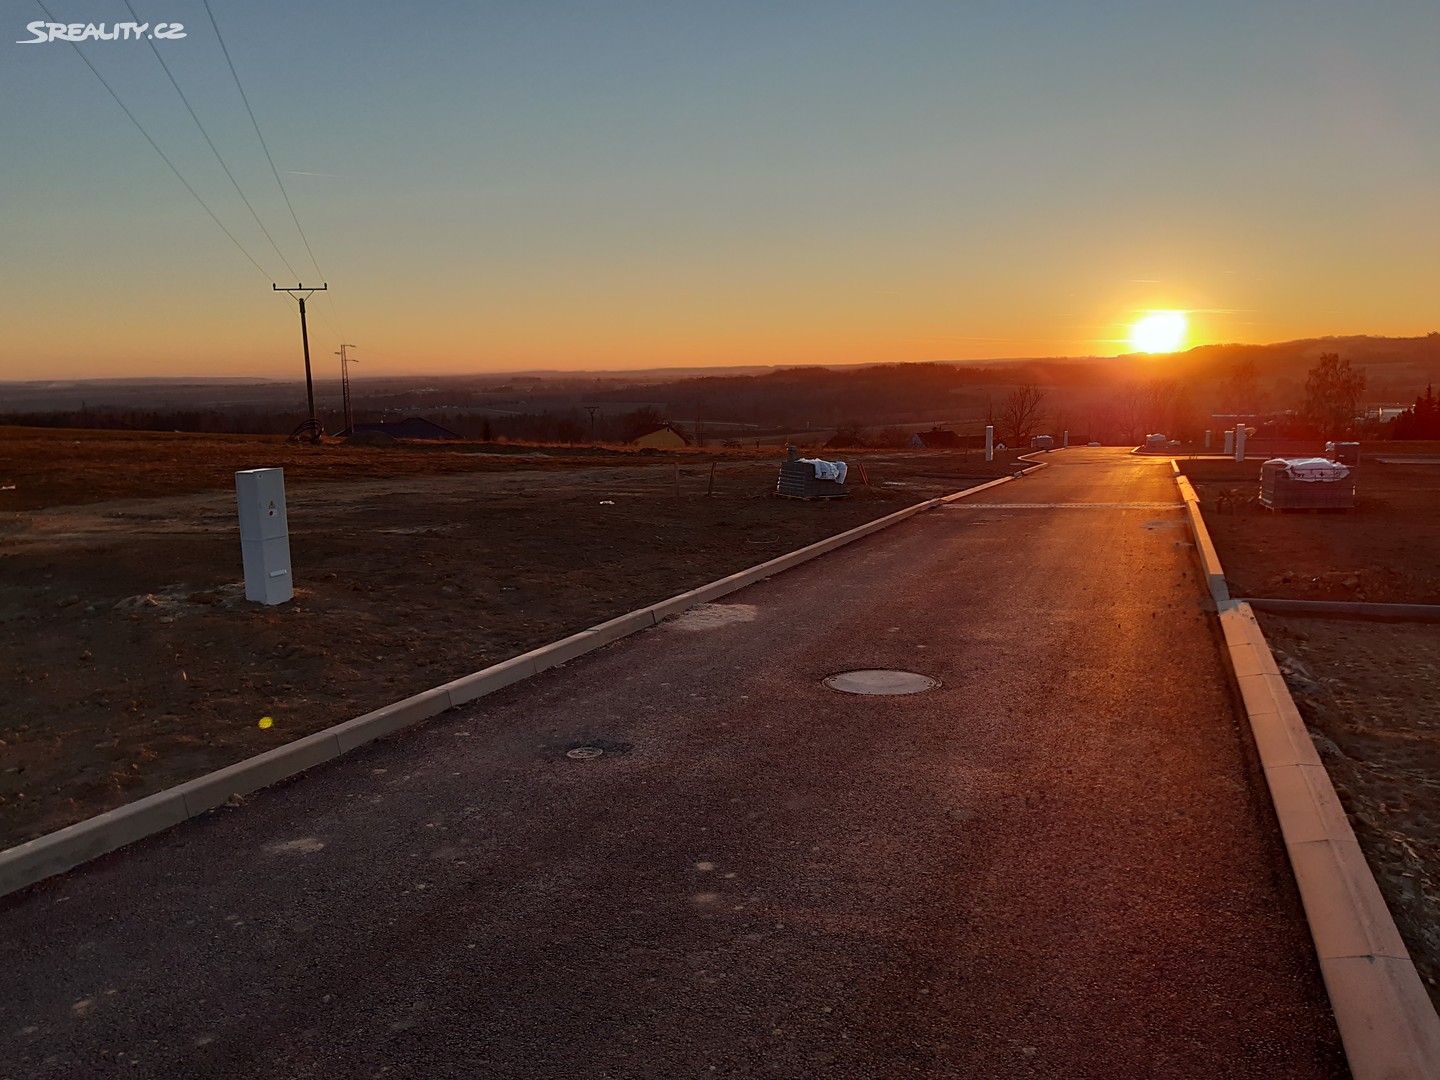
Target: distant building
column 1384, row 413
column 935, row 439
column 413, row 427
column 661, row 435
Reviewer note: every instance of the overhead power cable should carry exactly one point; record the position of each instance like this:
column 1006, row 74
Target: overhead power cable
column 141, row 128
column 264, row 146
column 211, row 143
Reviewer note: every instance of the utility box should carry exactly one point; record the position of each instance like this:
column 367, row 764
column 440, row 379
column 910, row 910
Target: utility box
column 264, row 535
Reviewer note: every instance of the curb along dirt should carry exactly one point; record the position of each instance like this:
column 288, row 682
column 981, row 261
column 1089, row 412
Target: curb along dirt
column 67, row 848
column 1349, row 609
column 1388, row 1026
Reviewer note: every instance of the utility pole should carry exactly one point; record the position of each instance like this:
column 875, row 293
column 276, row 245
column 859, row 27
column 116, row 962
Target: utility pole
column 591, row 409
column 345, row 363
column 312, row 425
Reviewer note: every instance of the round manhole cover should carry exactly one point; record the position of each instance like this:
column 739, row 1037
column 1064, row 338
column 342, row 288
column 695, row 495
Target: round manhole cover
column 879, row 681
column 584, row 753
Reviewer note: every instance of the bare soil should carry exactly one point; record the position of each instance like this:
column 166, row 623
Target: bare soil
column 1382, row 551
column 133, row 661
column 1366, row 689
column 1367, row 692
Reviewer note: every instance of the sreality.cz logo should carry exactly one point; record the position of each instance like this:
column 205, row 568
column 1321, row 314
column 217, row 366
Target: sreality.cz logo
column 45, row 32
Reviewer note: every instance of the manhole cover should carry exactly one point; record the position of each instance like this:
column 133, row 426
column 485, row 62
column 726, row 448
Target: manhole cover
column 584, row 753
column 878, row 681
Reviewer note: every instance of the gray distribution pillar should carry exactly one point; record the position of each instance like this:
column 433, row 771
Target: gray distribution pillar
column 989, row 442
column 1240, row 443
column 264, row 535
column 1065, row 440
column 1207, row 440
column 1229, row 443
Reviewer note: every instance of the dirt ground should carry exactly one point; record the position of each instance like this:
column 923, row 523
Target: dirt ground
column 1365, row 688
column 133, row 661
column 1383, row 551
column 1367, row 692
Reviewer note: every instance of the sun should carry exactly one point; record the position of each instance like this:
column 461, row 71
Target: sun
column 1159, row 332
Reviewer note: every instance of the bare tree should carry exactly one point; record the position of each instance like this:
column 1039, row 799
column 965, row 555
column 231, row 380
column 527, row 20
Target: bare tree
column 849, row 433
column 1169, row 407
column 1127, row 411
column 1240, row 389
column 1020, row 413
column 1332, row 394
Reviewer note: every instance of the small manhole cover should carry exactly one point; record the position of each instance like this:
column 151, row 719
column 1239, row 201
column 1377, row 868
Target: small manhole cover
column 880, row 681
column 584, row 753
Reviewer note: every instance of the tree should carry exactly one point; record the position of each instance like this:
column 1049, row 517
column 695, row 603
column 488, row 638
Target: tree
column 1421, row 420
column 850, row 433
column 1169, row 408
column 1020, row 413
column 1332, row 394
column 1240, row 390
column 1127, row 411
column 645, row 418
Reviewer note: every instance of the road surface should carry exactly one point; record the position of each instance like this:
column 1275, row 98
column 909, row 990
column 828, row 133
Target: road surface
column 1060, row 863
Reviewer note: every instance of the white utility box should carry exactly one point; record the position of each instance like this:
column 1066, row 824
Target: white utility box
column 264, row 535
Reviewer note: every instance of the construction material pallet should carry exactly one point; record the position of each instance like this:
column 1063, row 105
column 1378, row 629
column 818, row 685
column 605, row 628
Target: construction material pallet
column 1278, row 491
column 797, row 481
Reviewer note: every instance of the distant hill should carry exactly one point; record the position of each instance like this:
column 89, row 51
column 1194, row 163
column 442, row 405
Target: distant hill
column 1395, row 368
column 1115, row 396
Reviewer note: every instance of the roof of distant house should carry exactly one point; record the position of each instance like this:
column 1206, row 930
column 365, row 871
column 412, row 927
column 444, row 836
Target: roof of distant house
column 938, row 438
column 651, row 429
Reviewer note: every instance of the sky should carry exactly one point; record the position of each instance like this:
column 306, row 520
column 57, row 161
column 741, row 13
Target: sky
column 617, row 184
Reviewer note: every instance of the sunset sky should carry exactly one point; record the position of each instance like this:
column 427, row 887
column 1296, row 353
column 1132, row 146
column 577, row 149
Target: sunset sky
column 603, row 184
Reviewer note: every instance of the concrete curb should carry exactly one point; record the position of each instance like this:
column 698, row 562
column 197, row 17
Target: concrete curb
column 1209, row 558
column 1387, row 1024
column 1349, row 609
column 67, row 848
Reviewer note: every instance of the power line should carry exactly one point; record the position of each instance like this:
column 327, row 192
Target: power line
column 141, row 128
column 285, row 194
column 329, row 303
column 211, row 143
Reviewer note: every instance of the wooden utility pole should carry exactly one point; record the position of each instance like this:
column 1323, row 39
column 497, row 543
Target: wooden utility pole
column 312, row 426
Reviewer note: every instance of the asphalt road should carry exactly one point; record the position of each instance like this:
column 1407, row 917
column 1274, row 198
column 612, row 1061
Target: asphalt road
column 1060, row 863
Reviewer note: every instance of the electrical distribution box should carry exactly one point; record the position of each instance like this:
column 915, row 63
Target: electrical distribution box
column 264, row 535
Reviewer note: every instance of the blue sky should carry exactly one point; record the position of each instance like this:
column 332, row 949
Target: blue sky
column 582, row 185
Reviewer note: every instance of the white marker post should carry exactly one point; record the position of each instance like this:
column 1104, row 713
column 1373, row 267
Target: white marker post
column 264, row 535
column 1240, row 443
column 989, row 442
